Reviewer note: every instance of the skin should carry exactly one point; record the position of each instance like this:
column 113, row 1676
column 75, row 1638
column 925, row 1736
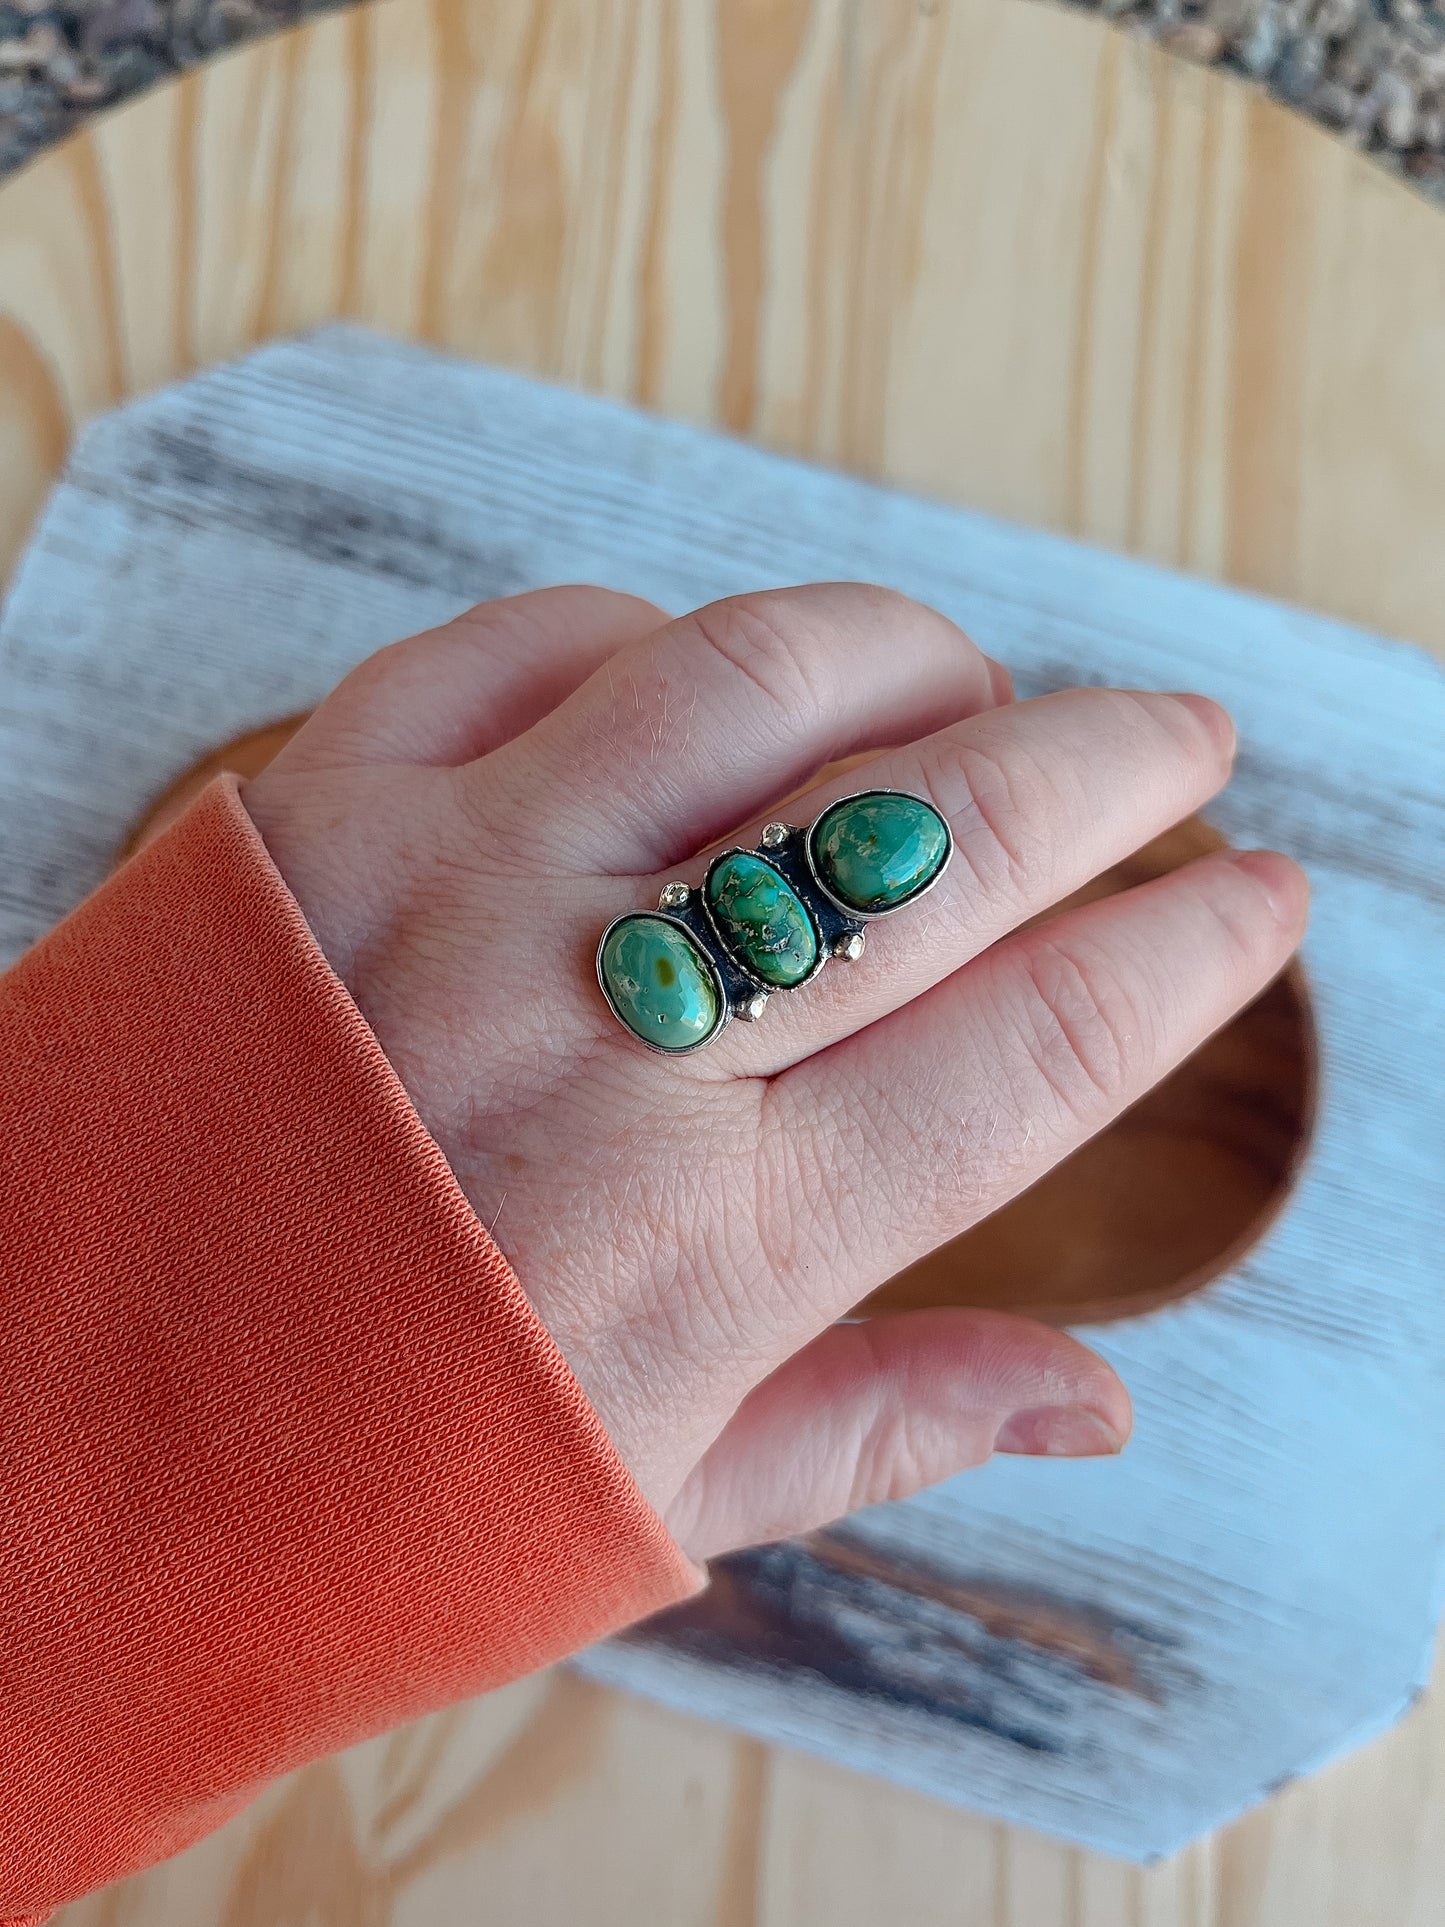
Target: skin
column 461, row 818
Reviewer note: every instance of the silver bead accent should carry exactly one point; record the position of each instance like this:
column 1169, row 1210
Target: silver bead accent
column 849, row 946
column 673, row 896
column 752, row 1008
column 774, row 836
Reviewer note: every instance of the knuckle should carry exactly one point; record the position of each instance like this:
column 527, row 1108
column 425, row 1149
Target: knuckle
column 902, row 1450
column 1160, row 716
column 1233, row 906
column 877, row 609
column 760, row 637
column 1082, row 1030
column 888, row 1465
column 1159, row 734
column 372, row 675
column 889, row 608
column 540, row 614
column 998, row 803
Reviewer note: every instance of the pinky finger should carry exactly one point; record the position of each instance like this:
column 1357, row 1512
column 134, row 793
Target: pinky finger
column 459, row 691
column 879, row 1409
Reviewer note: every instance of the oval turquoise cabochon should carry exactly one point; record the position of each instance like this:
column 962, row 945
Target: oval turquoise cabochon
column 877, row 850
column 761, row 918
column 659, row 981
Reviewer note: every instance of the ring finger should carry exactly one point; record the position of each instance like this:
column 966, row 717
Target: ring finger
column 1040, row 796
column 907, row 1134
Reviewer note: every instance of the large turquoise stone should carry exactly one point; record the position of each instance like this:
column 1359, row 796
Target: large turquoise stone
column 876, row 850
column 660, row 982
column 761, row 919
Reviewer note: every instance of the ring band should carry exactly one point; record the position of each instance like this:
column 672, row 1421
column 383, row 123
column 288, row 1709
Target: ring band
column 769, row 918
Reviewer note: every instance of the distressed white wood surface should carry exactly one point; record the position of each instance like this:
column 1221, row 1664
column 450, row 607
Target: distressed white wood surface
column 1262, row 1568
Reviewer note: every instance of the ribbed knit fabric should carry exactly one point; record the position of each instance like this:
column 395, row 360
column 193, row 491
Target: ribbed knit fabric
column 285, row 1456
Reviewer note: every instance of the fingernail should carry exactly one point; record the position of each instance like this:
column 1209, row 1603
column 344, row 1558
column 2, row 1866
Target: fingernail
column 1217, row 721
column 1000, row 679
column 1214, row 717
column 1058, row 1432
column 1276, row 875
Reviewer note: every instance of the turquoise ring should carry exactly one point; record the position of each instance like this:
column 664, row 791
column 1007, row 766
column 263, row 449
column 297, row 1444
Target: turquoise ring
column 767, row 919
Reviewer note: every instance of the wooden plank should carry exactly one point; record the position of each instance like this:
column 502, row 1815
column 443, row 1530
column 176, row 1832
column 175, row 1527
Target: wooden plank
column 1124, row 1653
column 560, row 1802
column 980, row 247
column 1005, row 256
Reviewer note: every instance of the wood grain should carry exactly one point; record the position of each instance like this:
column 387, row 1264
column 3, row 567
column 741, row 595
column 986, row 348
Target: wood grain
column 556, row 1802
column 1125, row 1653
column 993, row 251
column 985, row 249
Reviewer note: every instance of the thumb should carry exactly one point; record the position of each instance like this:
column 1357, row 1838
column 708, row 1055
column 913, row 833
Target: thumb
column 880, row 1408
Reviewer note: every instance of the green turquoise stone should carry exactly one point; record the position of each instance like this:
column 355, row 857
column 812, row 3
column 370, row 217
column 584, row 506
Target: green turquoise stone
column 659, row 982
column 761, row 919
column 877, row 850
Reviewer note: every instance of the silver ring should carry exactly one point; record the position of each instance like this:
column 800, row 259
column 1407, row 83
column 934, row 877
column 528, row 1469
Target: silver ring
column 767, row 919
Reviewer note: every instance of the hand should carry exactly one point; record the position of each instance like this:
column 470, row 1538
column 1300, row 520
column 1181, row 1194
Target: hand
column 461, row 818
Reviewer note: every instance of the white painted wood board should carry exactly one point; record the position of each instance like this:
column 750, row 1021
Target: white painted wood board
column 1265, row 1561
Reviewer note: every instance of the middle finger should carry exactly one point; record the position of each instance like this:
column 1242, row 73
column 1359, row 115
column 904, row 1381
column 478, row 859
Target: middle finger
column 1041, row 797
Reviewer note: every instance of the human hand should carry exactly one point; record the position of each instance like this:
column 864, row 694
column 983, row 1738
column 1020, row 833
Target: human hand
column 470, row 808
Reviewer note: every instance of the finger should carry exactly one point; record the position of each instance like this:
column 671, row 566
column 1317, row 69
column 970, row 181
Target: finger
column 1041, row 796
column 913, row 1130
column 880, row 1409
column 454, row 693
column 684, row 733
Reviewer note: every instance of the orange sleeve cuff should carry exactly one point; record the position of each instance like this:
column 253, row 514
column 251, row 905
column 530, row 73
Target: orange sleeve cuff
column 285, row 1456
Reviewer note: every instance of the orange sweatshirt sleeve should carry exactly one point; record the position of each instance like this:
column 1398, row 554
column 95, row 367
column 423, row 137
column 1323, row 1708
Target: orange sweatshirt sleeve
column 285, row 1456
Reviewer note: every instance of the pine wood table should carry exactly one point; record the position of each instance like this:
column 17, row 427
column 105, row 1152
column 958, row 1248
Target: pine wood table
column 980, row 247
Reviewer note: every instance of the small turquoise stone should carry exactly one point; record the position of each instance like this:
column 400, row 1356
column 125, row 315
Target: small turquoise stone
column 761, row 919
column 877, row 850
column 659, row 981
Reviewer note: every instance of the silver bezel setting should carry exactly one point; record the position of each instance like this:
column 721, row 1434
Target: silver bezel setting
column 764, row 856
column 848, row 909
column 725, row 1003
column 787, row 849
